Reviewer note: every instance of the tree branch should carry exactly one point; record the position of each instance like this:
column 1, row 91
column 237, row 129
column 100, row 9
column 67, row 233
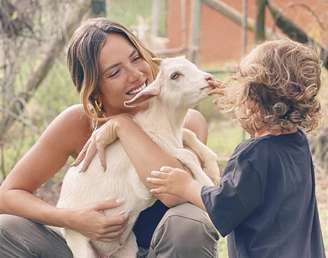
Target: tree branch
column 54, row 47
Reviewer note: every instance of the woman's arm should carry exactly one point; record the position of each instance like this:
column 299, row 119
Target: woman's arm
column 65, row 136
column 40, row 163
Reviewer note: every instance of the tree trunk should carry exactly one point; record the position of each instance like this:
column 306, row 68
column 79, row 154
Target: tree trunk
column 98, row 8
column 195, row 33
column 54, row 47
column 260, row 21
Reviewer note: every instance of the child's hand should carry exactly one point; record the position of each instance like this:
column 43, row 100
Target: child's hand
column 217, row 87
column 171, row 181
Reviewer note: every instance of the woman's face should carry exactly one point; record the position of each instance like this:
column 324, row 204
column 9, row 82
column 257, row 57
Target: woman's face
column 123, row 73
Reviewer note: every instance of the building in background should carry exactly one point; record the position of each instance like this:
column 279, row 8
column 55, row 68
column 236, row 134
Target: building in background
column 221, row 39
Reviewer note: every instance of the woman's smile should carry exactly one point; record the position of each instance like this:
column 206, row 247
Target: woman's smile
column 134, row 91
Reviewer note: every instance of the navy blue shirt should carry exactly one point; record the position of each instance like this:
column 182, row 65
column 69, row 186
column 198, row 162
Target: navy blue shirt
column 147, row 222
column 266, row 200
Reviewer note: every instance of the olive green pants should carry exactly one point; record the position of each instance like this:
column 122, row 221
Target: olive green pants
column 184, row 232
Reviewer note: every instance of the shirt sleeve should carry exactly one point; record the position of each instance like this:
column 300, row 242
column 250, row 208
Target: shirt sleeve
column 240, row 192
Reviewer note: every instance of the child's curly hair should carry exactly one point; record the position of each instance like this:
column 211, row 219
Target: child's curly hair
column 278, row 84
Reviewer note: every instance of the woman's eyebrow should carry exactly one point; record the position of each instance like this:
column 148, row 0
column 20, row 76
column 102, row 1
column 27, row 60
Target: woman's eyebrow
column 114, row 65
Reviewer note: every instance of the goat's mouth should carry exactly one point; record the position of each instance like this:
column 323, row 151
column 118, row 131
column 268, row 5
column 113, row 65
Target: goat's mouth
column 207, row 87
column 136, row 90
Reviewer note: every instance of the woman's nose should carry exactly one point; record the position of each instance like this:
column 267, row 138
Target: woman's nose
column 134, row 74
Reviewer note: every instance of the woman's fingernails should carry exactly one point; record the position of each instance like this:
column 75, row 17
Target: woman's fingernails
column 120, row 200
column 155, row 173
column 124, row 213
column 148, row 178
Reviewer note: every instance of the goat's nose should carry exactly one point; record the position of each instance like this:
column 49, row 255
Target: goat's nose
column 208, row 76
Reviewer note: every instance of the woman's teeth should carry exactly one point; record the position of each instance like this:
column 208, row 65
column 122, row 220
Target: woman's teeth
column 137, row 90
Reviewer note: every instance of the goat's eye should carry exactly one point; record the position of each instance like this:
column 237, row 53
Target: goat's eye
column 175, row 75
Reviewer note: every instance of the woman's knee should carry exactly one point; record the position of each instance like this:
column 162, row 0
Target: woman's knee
column 11, row 224
column 186, row 229
column 21, row 237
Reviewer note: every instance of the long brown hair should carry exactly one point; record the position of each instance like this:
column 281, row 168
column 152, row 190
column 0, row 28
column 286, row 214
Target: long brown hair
column 83, row 59
column 277, row 87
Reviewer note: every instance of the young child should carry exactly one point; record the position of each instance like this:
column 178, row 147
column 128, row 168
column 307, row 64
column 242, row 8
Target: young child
column 266, row 198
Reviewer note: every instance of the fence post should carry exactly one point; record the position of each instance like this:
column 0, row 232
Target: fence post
column 195, row 33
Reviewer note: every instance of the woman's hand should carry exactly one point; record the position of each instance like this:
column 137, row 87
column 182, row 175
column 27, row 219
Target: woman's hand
column 94, row 224
column 99, row 140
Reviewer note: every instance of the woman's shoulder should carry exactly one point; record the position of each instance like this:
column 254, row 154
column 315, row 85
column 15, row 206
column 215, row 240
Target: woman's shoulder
column 74, row 116
column 72, row 127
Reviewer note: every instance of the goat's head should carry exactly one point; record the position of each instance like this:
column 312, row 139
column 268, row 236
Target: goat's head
column 179, row 84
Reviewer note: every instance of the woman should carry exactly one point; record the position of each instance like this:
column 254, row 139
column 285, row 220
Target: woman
column 108, row 64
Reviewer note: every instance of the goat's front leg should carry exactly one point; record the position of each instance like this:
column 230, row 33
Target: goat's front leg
column 206, row 155
column 189, row 159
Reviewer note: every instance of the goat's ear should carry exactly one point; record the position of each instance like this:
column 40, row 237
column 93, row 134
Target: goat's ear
column 150, row 91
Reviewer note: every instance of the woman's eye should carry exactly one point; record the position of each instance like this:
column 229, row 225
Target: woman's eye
column 136, row 58
column 113, row 74
column 175, row 75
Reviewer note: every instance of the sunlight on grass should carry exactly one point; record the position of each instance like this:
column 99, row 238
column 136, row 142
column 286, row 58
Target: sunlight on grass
column 224, row 136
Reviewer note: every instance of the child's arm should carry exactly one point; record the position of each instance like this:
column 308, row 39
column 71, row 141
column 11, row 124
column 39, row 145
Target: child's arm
column 177, row 182
column 240, row 192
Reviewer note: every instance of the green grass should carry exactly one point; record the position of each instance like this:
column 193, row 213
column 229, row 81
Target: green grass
column 323, row 214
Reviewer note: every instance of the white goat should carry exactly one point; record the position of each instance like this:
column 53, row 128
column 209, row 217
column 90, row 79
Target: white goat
column 179, row 86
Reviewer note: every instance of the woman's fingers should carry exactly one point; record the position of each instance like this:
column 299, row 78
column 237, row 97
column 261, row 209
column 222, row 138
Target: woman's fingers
column 110, row 236
column 82, row 153
column 108, row 204
column 113, row 229
column 101, row 154
column 91, row 152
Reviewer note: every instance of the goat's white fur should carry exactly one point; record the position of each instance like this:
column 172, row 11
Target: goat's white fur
column 162, row 121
